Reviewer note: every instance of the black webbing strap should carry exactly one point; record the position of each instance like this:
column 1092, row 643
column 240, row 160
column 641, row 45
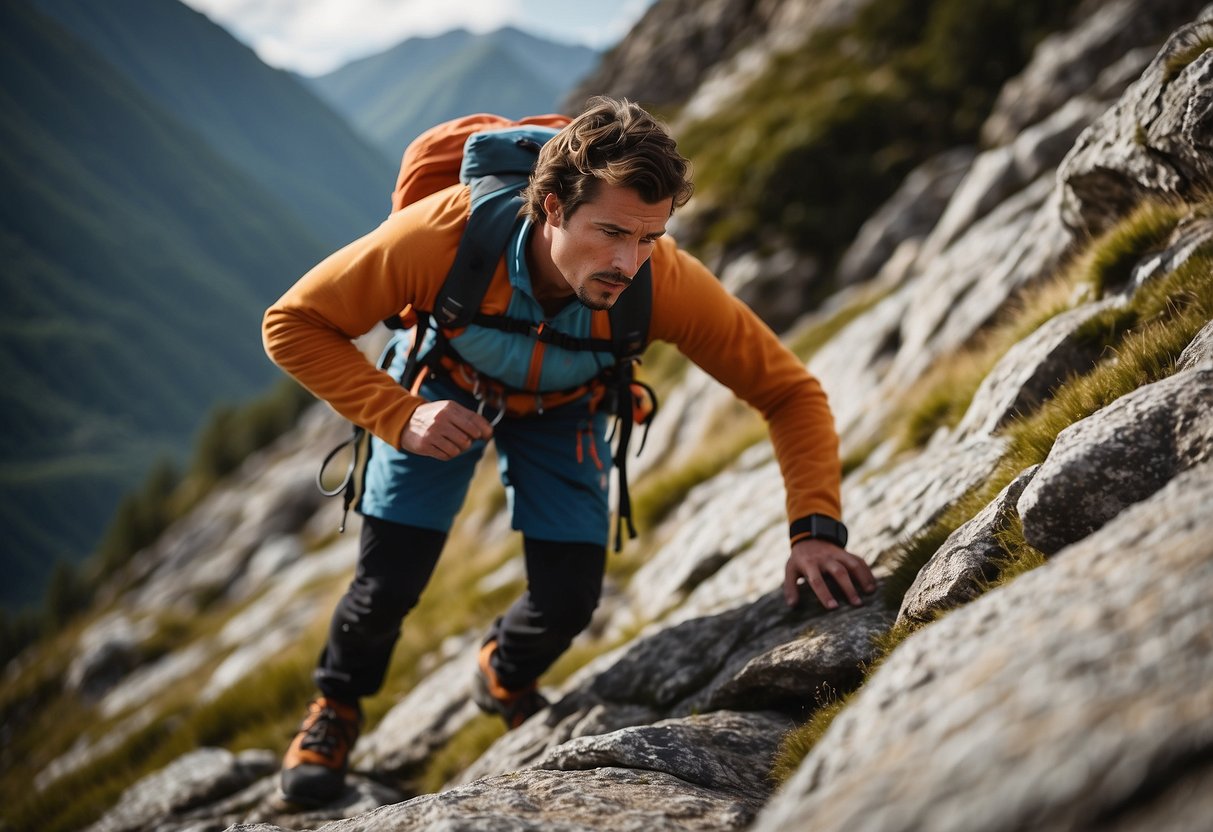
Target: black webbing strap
column 544, row 334
column 488, row 231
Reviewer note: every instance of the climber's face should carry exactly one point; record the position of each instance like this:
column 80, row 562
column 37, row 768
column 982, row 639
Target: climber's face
column 598, row 250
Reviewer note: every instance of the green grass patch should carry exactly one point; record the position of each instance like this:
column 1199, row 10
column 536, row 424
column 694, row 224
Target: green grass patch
column 943, row 395
column 81, row 797
column 817, row 142
column 1109, row 262
column 945, row 392
column 797, row 743
column 1020, row 558
column 1166, row 316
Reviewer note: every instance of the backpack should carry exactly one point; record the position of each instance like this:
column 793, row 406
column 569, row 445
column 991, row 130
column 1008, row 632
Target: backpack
column 494, row 157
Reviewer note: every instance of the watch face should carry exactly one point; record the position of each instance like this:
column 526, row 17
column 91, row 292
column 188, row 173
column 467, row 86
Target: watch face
column 831, row 530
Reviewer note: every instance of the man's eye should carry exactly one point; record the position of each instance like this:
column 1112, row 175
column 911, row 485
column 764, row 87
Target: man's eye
column 610, row 233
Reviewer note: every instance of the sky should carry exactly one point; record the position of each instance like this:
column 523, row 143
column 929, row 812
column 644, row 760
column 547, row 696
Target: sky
column 313, row 37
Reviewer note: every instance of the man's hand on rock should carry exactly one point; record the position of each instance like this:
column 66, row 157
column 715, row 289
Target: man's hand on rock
column 811, row 560
column 443, row 430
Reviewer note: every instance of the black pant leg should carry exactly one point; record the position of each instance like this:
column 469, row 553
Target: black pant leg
column 394, row 565
column 564, row 583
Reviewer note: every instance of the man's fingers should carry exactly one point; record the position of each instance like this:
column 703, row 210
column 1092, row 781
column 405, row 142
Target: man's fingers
column 471, row 423
column 444, row 429
column 838, row 571
column 860, row 570
column 833, row 574
column 791, row 584
column 820, row 588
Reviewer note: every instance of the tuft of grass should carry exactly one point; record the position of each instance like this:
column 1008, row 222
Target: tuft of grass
column 1166, row 316
column 81, row 797
column 1020, row 558
column 1109, row 262
column 943, row 395
column 1176, row 62
column 798, row 742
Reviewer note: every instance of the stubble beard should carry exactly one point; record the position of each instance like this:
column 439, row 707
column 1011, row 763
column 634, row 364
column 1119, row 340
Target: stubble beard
column 606, row 300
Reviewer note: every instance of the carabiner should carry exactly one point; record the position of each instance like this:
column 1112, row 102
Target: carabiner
column 496, row 419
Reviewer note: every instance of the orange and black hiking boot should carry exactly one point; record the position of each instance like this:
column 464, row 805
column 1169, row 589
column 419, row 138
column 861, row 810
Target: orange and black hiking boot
column 514, row 706
column 313, row 771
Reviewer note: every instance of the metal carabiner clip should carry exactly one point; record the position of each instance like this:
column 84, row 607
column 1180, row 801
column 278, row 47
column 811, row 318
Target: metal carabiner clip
column 496, row 419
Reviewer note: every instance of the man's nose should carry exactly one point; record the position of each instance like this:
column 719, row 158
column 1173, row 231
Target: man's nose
column 626, row 258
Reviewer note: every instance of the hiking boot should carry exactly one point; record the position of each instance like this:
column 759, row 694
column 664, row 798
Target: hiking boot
column 313, row 771
column 514, row 706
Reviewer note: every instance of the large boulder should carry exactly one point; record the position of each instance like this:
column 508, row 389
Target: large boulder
column 1118, row 456
column 600, row 800
column 1155, row 141
column 971, row 556
column 1110, row 45
column 1078, row 697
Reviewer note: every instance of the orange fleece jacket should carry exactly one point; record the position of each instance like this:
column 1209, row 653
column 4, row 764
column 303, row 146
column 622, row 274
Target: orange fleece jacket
column 308, row 333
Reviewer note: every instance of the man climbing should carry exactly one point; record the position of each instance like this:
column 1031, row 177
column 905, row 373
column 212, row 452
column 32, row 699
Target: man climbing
column 595, row 212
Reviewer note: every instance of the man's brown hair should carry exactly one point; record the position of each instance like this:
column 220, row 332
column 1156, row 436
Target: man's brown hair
column 612, row 141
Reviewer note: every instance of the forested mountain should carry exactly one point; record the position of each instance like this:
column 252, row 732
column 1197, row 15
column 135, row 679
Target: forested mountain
column 261, row 120
column 138, row 255
column 393, row 96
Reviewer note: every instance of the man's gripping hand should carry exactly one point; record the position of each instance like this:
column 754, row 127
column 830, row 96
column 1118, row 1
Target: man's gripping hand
column 443, row 430
column 811, row 560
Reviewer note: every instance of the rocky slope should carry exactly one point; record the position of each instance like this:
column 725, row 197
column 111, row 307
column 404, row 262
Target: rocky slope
column 1071, row 263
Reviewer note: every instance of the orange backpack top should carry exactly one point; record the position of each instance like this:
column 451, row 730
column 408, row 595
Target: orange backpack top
column 431, row 162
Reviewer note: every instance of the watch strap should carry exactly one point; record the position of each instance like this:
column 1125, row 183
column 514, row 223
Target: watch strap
column 819, row 527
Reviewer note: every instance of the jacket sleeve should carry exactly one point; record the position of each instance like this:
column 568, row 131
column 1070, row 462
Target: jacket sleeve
column 732, row 344
column 308, row 332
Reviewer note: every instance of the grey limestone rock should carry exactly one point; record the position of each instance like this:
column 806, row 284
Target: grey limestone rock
column 1025, row 377
column 1155, row 140
column 723, row 751
column 1069, row 64
column 895, row 505
column 910, row 213
column 970, row 554
column 1118, row 456
column 800, row 674
column 199, row 777
column 600, row 800
column 723, row 661
column 422, row 721
column 1078, row 697
column 1199, row 352
column 106, row 652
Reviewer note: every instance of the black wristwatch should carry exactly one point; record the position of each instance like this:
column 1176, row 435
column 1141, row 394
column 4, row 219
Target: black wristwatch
column 821, row 527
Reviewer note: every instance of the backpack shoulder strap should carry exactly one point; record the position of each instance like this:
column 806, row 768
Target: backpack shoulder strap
column 631, row 314
column 488, row 231
column 496, row 164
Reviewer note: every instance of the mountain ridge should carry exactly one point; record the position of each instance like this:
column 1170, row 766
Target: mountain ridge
column 396, row 94
column 260, row 119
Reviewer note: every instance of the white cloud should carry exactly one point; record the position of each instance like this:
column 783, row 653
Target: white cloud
column 316, row 36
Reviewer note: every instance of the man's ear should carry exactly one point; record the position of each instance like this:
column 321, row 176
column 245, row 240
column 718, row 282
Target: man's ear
column 553, row 209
